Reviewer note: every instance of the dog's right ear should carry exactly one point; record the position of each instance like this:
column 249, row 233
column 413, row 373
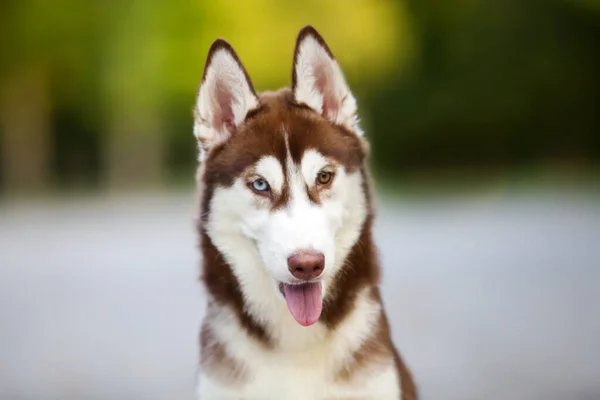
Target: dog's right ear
column 224, row 98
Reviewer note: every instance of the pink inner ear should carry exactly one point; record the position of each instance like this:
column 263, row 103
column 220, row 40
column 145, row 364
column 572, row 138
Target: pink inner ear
column 223, row 113
column 325, row 85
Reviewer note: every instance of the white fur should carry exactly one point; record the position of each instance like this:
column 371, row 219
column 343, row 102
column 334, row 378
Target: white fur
column 314, row 65
column 269, row 168
column 305, row 371
column 223, row 72
column 256, row 242
column 312, row 162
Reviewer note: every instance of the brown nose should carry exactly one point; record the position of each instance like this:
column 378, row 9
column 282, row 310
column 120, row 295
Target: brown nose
column 306, row 265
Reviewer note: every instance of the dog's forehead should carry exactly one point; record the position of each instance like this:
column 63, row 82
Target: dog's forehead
column 280, row 127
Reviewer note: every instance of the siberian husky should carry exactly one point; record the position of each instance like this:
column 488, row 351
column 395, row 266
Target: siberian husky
column 290, row 268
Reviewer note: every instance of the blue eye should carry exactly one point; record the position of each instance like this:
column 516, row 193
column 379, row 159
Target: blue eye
column 260, row 185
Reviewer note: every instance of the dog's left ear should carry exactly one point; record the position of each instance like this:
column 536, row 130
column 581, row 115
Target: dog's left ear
column 318, row 81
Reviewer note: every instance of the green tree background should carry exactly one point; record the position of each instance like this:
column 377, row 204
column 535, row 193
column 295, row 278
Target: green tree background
column 99, row 94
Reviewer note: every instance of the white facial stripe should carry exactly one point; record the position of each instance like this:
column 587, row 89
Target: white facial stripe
column 312, row 162
column 300, row 226
column 290, row 169
column 270, row 168
column 298, row 195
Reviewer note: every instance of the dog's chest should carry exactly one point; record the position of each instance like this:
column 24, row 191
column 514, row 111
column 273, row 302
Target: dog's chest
column 289, row 376
column 302, row 363
column 301, row 377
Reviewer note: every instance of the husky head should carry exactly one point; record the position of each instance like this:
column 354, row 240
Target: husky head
column 283, row 183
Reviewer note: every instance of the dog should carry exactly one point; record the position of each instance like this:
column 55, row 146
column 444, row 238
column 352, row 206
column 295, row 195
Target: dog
column 291, row 272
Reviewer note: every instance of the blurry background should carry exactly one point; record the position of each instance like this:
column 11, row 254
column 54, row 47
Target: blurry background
column 485, row 127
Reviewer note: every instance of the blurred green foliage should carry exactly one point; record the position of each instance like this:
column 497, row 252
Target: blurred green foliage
column 496, row 83
column 100, row 93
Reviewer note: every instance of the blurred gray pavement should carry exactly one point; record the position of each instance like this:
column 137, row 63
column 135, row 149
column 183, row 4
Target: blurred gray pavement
column 491, row 296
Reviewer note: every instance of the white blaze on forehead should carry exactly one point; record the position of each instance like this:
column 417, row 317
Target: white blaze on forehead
column 294, row 176
column 301, row 225
column 312, row 162
column 270, row 168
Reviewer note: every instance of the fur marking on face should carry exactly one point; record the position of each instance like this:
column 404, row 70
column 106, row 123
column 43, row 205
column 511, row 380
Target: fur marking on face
column 289, row 262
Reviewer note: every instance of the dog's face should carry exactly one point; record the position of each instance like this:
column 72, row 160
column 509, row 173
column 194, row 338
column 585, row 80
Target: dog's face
column 283, row 173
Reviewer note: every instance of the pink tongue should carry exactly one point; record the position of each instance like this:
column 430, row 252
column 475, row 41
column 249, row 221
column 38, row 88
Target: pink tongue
column 304, row 302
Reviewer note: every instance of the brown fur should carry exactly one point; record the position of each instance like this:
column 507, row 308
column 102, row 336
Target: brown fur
column 261, row 134
column 216, row 360
column 375, row 351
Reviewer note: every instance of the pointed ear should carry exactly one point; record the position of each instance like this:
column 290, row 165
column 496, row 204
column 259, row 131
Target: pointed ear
column 318, row 81
column 224, row 98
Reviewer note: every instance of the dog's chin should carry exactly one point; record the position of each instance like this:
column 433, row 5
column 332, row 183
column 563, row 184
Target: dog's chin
column 304, row 300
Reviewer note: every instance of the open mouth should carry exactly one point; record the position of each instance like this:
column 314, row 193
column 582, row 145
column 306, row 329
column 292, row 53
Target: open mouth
column 304, row 301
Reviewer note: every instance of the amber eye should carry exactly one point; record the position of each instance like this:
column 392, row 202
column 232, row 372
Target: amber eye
column 324, row 177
